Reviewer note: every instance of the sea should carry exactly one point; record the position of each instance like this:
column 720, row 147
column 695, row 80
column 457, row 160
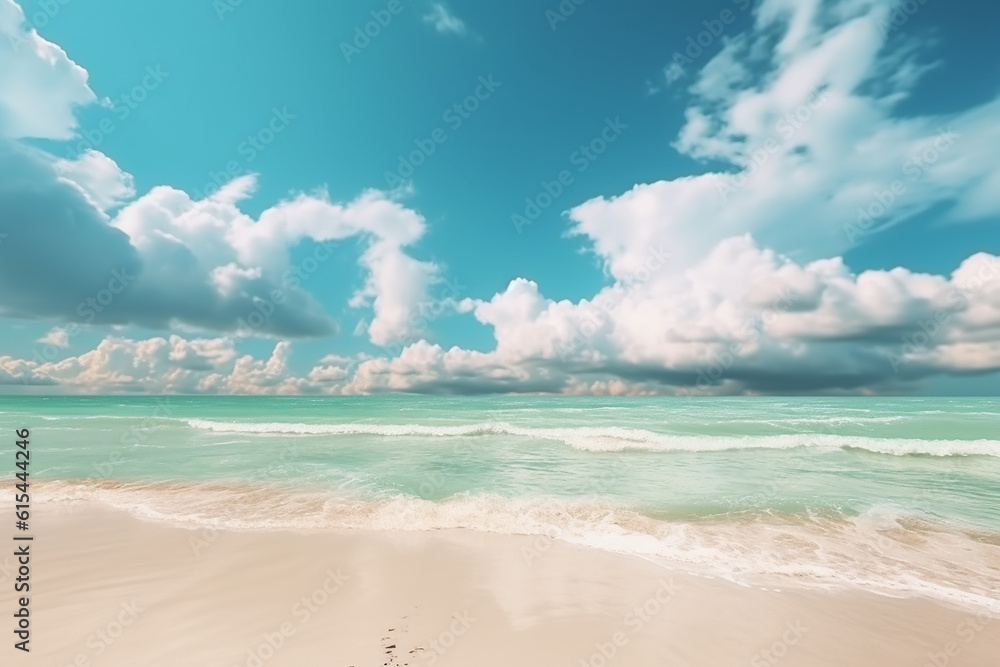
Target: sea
column 898, row 496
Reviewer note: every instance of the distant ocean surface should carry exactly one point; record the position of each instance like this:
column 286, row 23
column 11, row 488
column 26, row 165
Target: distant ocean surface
column 894, row 495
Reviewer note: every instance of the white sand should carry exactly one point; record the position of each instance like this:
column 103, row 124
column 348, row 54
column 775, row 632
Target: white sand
column 108, row 590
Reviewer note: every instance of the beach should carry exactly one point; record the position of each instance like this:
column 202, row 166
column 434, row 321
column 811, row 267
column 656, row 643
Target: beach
column 116, row 590
column 495, row 531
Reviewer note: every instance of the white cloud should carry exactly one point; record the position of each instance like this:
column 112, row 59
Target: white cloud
column 40, row 87
column 100, row 179
column 742, row 320
column 166, row 365
column 56, row 336
column 813, row 141
column 165, row 259
column 803, row 110
column 674, row 72
column 250, row 376
column 397, row 285
column 172, row 365
column 444, row 21
column 20, row 372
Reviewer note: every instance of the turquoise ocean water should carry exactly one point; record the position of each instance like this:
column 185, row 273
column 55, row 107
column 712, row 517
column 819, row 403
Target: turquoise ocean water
column 899, row 496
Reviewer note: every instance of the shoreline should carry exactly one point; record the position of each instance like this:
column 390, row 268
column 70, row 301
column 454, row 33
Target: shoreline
column 111, row 589
column 889, row 553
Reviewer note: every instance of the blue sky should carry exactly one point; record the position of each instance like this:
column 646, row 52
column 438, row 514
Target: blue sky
column 210, row 149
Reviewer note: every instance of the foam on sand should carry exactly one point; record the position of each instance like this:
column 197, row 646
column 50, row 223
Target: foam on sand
column 880, row 551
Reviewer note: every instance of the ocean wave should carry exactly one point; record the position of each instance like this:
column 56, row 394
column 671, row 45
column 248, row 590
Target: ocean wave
column 831, row 420
column 882, row 550
column 619, row 439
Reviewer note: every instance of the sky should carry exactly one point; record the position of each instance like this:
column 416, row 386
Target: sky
column 632, row 198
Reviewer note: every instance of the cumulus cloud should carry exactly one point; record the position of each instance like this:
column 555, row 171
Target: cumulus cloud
column 56, row 336
column 169, row 365
column 58, row 248
column 99, row 178
column 731, row 281
column 151, row 265
column 754, row 296
column 164, row 259
column 803, row 109
column 743, row 319
column 19, row 373
column 241, row 266
column 773, row 325
column 40, row 87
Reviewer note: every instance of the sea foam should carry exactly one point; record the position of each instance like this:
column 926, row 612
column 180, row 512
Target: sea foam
column 882, row 550
column 616, row 439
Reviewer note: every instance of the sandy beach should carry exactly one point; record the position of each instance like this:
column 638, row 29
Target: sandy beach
column 109, row 589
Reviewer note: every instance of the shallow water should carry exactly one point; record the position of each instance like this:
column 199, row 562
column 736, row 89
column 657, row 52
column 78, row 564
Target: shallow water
column 900, row 495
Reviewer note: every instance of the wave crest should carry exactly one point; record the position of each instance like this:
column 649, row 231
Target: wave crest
column 618, row 439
